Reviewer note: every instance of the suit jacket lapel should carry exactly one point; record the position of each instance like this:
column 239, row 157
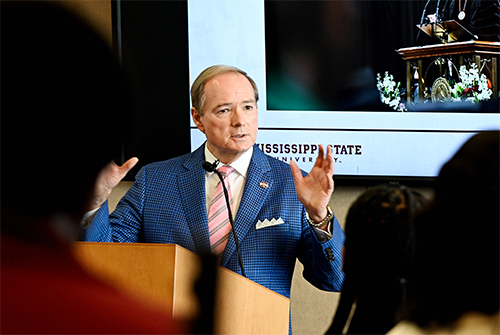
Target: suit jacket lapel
column 254, row 196
column 192, row 191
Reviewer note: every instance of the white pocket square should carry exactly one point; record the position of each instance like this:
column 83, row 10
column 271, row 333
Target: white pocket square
column 268, row 223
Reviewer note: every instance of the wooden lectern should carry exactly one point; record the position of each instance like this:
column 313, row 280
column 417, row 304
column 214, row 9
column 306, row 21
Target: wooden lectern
column 164, row 275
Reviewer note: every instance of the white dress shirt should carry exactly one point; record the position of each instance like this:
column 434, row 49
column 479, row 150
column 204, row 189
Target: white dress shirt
column 236, row 179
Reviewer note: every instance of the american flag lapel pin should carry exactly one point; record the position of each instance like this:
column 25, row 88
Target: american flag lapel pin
column 264, row 184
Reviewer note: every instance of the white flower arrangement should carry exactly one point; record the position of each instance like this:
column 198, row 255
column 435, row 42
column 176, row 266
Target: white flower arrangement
column 472, row 86
column 390, row 92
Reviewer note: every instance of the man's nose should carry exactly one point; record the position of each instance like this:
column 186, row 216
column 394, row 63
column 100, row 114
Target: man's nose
column 238, row 118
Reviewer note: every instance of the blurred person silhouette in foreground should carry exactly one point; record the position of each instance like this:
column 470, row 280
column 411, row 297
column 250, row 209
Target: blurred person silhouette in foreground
column 59, row 82
column 379, row 244
column 454, row 287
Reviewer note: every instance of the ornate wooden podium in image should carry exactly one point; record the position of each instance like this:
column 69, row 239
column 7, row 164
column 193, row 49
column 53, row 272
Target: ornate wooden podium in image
column 419, row 59
column 164, row 275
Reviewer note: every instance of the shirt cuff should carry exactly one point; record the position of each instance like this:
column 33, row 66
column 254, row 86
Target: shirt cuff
column 88, row 217
column 322, row 235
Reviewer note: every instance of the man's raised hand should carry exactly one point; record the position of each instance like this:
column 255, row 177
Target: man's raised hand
column 315, row 190
column 107, row 179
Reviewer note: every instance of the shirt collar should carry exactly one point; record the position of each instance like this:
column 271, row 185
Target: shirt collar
column 240, row 165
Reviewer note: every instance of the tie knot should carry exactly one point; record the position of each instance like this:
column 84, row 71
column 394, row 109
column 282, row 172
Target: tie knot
column 225, row 170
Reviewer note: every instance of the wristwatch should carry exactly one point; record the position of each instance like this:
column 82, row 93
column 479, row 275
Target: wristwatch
column 328, row 218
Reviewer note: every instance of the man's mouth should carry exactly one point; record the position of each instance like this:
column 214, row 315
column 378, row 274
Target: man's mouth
column 239, row 135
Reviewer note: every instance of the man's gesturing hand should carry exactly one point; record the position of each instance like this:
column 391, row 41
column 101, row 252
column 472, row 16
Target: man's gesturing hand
column 107, row 179
column 315, row 190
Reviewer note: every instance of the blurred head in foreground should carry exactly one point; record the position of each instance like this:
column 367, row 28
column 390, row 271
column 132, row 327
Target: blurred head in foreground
column 62, row 99
column 62, row 102
column 380, row 242
column 456, row 270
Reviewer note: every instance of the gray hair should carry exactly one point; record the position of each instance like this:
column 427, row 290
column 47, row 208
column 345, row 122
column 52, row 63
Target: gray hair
column 198, row 92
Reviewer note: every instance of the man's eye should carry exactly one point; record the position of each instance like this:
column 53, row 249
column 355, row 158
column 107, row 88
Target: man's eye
column 222, row 111
column 248, row 107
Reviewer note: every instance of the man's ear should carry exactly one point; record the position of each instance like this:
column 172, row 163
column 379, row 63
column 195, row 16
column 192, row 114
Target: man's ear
column 197, row 119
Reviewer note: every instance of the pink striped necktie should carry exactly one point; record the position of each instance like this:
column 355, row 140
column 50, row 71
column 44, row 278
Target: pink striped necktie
column 218, row 218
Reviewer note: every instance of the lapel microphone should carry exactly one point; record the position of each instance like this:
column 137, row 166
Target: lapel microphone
column 212, row 167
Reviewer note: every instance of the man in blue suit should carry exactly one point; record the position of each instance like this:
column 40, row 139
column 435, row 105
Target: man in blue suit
column 280, row 214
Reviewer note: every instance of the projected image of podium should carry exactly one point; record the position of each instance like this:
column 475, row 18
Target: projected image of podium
column 429, row 66
column 164, row 275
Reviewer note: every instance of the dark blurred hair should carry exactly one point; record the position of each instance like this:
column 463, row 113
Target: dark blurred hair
column 379, row 244
column 457, row 262
column 381, row 221
column 63, row 102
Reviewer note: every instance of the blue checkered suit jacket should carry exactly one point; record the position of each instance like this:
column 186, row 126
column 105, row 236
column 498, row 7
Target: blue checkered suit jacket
column 166, row 204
